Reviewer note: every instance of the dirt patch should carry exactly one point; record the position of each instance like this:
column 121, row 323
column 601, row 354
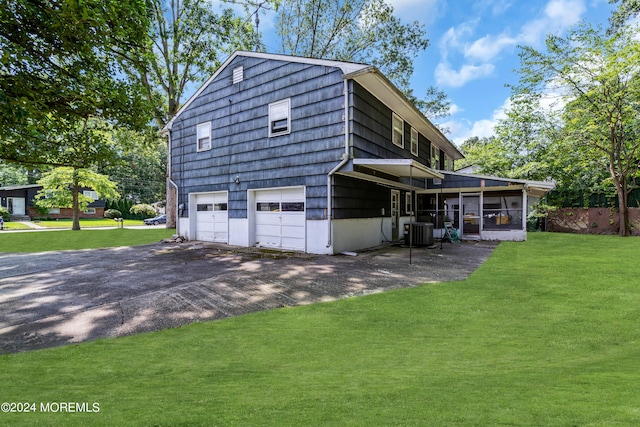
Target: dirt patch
column 57, row 298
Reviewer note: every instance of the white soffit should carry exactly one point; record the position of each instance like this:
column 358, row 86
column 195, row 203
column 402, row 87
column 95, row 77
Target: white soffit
column 399, row 167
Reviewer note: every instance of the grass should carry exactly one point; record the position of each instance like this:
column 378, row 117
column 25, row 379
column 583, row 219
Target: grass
column 16, row 226
column 88, row 222
column 544, row 333
column 57, row 240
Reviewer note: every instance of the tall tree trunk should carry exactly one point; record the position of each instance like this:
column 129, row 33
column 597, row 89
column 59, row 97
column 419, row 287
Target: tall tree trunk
column 76, row 209
column 623, row 197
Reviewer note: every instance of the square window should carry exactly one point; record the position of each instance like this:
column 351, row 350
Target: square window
column 204, row 136
column 398, row 130
column 280, row 118
column 414, row 142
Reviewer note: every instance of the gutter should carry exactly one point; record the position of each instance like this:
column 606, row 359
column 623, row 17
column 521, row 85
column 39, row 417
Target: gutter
column 344, row 161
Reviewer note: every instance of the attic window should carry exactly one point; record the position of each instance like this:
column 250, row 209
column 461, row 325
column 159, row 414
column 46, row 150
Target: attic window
column 280, row 118
column 398, row 130
column 238, row 74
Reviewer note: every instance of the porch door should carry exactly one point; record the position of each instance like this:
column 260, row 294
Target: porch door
column 470, row 216
column 16, row 205
column 395, row 214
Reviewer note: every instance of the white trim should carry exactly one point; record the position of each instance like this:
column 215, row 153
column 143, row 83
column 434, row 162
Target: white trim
column 546, row 185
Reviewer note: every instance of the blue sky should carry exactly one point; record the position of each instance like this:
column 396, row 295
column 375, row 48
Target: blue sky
column 473, row 51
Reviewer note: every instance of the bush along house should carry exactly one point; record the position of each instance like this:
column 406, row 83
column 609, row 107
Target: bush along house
column 313, row 155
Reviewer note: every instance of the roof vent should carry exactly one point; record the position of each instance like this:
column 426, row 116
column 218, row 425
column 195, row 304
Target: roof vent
column 238, row 74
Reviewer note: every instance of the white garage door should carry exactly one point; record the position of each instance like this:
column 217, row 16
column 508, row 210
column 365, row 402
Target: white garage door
column 212, row 219
column 280, row 218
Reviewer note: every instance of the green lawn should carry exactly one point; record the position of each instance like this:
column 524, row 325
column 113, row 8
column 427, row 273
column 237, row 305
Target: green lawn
column 87, row 223
column 545, row 333
column 55, row 240
column 15, row 226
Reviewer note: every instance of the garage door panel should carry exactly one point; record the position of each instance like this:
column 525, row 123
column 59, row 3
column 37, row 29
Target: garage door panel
column 289, row 243
column 280, row 219
column 212, row 220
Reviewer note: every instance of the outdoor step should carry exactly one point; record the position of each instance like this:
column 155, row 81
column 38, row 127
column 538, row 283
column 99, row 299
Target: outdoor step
column 20, row 218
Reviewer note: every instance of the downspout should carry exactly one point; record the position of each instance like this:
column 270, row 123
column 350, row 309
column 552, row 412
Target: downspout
column 345, row 159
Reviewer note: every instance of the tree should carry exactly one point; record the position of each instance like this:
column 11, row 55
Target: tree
column 57, row 68
column 187, row 42
column 364, row 31
column 12, row 174
column 61, row 189
column 351, row 30
column 598, row 77
column 141, row 166
column 626, row 10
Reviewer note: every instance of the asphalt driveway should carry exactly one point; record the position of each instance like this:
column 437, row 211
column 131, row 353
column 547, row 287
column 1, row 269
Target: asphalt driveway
column 55, row 298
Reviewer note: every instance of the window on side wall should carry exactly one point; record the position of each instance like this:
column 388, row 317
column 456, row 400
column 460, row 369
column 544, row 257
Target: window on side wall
column 407, row 203
column 204, row 136
column 398, row 130
column 448, row 163
column 435, row 157
column 280, row 118
column 414, row 142
column 90, row 193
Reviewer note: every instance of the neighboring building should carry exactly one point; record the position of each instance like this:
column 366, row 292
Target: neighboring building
column 305, row 154
column 18, row 199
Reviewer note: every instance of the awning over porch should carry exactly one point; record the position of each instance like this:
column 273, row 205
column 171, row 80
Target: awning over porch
column 387, row 171
column 399, row 167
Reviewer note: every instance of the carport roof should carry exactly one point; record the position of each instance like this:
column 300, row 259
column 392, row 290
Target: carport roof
column 399, row 167
column 383, row 171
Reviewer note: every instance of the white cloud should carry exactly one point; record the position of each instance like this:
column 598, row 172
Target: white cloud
column 488, row 47
column 424, row 11
column 463, row 130
column 454, row 109
column 447, row 76
column 557, row 16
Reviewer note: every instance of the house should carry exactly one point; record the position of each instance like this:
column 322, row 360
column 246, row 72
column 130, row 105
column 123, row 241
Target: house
column 304, row 154
column 18, row 199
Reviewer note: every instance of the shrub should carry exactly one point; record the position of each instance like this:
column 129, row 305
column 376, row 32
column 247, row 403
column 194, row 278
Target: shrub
column 4, row 213
column 112, row 213
column 143, row 209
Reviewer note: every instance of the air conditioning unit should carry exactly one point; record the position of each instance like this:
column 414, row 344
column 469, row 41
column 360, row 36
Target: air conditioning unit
column 422, row 234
